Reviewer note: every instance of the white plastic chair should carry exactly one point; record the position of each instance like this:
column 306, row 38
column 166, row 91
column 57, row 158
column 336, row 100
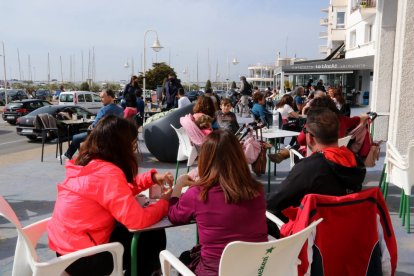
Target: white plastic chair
column 344, row 141
column 26, row 260
column 277, row 257
column 400, row 172
column 186, row 150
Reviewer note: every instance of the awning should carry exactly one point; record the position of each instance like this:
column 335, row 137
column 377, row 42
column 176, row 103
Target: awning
column 338, row 66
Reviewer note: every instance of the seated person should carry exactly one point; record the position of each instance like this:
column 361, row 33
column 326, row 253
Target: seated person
column 225, row 118
column 182, row 99
column 330, row 170
column 107, row 98
column 96, row 202
column 226, row 202
column 259, row 111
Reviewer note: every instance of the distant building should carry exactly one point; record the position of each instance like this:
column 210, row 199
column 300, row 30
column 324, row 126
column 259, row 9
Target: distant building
column 349, row 49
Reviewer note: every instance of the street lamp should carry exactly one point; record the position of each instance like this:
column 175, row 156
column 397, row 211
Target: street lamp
column 156, row 46
column 235, row 61
column 5, row 78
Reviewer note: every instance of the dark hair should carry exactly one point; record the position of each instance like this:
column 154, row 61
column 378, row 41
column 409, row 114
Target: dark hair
column 205, row 104
column 225, row 101
column 216, row 166
column 114, row 140
column 209, row 90
column 109, row 92
column 323, row 124
column 181, row 91
column 324, row 102
column 339, row 96
column 257, row 96
column 286, row 99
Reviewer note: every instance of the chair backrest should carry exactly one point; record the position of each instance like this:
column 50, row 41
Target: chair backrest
column 46, row 121
column 277, row 257
column 344, row 141
column 24, row 247
column 410, row 159
column 357, row 223
column 184, row 144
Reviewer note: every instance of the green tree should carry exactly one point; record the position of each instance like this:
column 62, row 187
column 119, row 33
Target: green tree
column 84, row 86
column 157, row 75
column 233, row 85
column 208, row 84
column 114, row 86
column 95, row 87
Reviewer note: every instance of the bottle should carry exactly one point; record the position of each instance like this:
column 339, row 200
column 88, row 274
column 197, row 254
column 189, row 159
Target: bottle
column 275, row 124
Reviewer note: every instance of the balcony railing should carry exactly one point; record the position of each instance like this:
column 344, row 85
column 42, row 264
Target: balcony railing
column 325, row 9
column 323, row 49
column 363, row 4
column 324, row 22
column 323, row 34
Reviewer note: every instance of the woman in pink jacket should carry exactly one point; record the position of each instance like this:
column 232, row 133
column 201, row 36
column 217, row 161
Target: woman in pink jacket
column 96, row 202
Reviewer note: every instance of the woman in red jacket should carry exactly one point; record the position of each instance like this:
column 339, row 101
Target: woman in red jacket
column 96, row 202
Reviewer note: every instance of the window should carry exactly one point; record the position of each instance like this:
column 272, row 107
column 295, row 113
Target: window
column 368, row 33
column 340, row 20
column 81, row 98
column 96, row 98
column 88, row 98
column 352, row 39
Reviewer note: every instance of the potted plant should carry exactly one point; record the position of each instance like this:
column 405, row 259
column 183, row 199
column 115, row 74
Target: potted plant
column 363, row 4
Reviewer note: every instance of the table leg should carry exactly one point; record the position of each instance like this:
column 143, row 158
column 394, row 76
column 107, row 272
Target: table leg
column 268, row 171
column 134, row 243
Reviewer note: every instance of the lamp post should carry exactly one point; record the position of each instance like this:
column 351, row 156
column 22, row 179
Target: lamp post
column 156, row 46
column 5, row 78
column 235, row 61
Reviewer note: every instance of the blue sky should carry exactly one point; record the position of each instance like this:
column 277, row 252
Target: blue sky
column 254, row 31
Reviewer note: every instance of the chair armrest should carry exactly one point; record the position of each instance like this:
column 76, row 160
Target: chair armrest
column 35, row 230
column 58, row 265
column 167, row 259
column 397, row 163
column 274, row 219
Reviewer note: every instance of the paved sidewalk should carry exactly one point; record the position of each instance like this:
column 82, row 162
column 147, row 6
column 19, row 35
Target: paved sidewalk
column 30, row 187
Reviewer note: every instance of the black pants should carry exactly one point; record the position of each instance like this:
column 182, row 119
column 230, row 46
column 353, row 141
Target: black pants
column 149, row 246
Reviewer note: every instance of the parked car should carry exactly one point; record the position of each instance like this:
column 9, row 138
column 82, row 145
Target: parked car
column 43, row 94
column 26, row 124
column 17, row 109
column 86, row 99
column 220, row 93
column 193, row 95
column 12, row 95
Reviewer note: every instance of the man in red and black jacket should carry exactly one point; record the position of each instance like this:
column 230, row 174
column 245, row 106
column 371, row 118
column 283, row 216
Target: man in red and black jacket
column 330, row 170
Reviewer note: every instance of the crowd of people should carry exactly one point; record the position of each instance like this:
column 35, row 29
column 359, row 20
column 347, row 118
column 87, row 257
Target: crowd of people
column 96, row 202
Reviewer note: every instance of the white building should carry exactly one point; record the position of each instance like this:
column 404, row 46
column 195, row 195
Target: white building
column 261, row 75
column 349, row 49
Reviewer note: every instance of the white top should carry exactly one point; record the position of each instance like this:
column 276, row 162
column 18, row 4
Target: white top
column 183, row 101
column 285, row 110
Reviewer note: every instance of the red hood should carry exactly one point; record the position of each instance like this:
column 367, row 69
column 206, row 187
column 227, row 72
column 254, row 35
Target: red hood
column 342, row 156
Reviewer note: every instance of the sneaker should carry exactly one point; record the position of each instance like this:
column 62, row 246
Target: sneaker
column 63, row 157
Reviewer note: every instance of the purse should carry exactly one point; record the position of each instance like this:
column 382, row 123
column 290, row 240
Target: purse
column 259, row 166
column 373, row 154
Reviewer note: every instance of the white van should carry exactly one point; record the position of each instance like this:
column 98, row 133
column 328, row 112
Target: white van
column 86, row 99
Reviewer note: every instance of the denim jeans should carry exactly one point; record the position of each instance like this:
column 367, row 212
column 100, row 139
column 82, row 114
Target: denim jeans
column 75, row 145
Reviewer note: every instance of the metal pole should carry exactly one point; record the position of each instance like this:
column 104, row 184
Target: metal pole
column 5, row 78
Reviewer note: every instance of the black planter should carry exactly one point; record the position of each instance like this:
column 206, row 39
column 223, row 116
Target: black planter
column 161, row 139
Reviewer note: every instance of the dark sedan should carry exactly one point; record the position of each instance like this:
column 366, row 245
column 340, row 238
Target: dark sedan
column 17, row 109
column 26, row 124
column 193, row 95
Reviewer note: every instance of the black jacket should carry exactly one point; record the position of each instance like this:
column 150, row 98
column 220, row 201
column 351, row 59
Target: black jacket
column 316, row 175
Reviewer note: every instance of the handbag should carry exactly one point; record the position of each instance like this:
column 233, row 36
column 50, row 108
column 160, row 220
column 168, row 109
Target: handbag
column 373, row 154
column 259, row 166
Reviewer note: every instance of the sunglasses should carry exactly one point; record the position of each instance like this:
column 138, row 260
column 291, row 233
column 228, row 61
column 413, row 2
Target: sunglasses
column 305, row 130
